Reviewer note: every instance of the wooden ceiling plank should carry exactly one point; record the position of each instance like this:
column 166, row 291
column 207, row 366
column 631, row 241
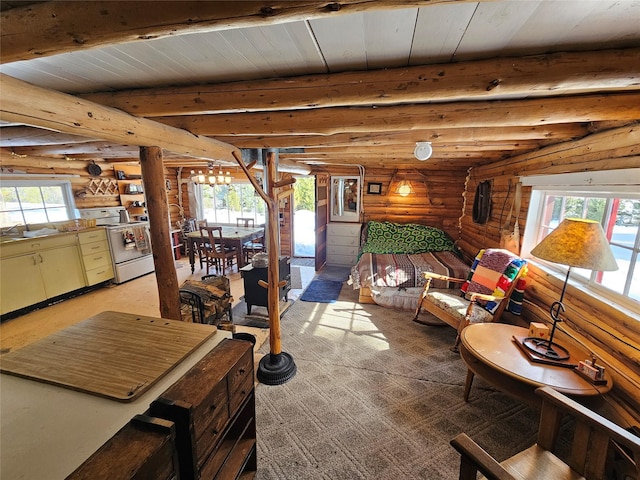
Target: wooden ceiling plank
column 50, row 28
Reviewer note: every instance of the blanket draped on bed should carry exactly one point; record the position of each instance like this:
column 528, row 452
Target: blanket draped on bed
column 405, row 270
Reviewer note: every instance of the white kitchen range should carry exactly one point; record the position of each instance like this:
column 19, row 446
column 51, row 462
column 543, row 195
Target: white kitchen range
column 129, row 241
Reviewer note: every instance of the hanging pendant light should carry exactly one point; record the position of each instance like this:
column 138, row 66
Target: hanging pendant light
column 201, row 177
column 227, row 178
column 212, row 178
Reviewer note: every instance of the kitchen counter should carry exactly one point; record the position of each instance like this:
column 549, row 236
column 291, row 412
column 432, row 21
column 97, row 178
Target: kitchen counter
column 47, row 431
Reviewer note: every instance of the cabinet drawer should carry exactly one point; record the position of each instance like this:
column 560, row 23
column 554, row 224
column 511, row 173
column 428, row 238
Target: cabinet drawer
column 342, row 250
column 238, row 396
column 92, row 236
column 344, row 260
column 344, row 229
column 210, row 436
column 99, row 275
column 30, row 245
column 94, row 247
column 350, row 241
column 240, row 371
column 96, row 260
column 204, row 413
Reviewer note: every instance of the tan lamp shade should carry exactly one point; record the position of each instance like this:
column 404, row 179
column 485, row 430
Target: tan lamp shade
column 578, row 243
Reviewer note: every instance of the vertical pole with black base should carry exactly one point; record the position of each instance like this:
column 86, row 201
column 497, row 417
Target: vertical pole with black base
column 277, row 367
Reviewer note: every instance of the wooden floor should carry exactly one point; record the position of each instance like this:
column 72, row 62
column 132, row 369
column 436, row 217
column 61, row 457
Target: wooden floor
column 138, row 296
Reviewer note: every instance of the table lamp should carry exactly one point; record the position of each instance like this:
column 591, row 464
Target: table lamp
column 578, row 243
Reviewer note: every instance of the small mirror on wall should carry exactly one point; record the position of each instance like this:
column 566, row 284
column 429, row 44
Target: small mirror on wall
column 345, row 199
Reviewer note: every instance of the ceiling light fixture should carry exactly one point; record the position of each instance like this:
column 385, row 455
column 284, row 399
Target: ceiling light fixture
column 423, row 151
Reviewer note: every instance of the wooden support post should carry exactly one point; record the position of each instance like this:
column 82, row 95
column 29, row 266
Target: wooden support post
column 158, row 209
column 273, row 249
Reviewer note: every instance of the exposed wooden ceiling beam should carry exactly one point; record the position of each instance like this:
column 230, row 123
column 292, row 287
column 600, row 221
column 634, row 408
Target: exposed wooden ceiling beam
column 51, row 28
column 329, row 121
column 32, row 105
column 548, row 75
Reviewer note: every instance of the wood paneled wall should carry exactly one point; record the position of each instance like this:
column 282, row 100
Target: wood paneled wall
column 610, row 331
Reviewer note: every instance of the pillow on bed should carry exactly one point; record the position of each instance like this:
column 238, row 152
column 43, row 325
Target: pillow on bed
column 389, row 237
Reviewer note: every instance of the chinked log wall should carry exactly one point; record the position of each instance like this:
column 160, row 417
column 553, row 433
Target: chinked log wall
column 58, row 166
column 611, row 332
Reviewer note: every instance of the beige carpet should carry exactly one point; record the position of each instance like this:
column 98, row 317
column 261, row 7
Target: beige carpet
column 376, row 396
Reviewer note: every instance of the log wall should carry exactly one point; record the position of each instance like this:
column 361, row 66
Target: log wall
column 608, row 330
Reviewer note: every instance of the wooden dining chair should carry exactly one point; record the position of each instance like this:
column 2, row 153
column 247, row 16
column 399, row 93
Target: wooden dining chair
column 245, row 222
column 203, row 244
column 216, row 253
column 586, row 457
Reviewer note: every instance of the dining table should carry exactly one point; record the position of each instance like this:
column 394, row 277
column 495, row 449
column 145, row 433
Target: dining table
column 64, row 396
column 232, row 236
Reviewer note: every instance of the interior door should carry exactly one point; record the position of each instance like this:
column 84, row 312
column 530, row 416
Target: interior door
column 322, row 217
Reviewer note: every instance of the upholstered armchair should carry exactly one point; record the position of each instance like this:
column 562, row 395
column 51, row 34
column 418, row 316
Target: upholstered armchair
column 483, row 296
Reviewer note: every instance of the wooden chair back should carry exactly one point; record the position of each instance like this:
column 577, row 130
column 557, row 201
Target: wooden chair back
column 217, row 254
column 245, row 222
column 591, row 440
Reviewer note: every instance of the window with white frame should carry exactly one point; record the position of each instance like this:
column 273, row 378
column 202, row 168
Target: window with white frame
column 226, row 203
column 611, row 198
column 25, row 202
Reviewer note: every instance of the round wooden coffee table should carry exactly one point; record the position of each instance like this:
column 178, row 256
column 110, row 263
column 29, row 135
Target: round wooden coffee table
column 489, row 350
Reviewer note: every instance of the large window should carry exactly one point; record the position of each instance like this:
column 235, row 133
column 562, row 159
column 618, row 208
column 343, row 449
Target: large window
column 27, row 202
column 226, row 203
column 615, row 204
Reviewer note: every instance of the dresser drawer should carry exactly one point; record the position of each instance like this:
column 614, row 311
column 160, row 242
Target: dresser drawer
column 239, row 395
column 342, row 250
column 342, row 260
column 204, row 413
column 344, row 229
column 210, row 437
column 242, row 370
column 349, row 241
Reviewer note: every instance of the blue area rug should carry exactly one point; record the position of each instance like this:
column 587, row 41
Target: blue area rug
column 322, row 291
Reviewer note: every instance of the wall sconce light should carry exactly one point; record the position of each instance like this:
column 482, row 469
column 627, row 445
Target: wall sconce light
column 404, row 188
column 423, row 151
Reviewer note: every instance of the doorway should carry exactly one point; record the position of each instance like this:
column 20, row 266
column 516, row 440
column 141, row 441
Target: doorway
column 304, row 217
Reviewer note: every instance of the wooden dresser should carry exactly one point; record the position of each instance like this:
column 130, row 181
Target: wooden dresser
column 213, row 408
column 343, row 243
column 143, row 448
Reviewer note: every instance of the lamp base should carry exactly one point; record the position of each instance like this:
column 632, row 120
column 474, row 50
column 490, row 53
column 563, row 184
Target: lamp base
column 535, row 357
column 546, row 348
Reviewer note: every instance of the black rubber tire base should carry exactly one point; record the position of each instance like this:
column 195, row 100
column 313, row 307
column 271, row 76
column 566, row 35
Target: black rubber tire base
column 276, row 369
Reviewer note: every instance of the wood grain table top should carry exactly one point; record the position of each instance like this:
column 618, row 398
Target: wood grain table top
column 114, row 355
column 493, row 345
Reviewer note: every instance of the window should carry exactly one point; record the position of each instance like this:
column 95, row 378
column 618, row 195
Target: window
column 226, row 203
column 613, row 203
column 25, row 202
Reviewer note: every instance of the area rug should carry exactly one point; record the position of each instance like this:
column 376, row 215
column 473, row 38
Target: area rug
column 322, row 291
column 334, row 272
column 258, row 318
column 376, row 396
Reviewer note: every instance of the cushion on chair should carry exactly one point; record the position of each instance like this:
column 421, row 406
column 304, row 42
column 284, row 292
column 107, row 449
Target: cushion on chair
column 451, row 302
column 492, row 273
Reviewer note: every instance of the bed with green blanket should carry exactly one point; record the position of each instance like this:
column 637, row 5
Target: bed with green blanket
column 394, row 255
